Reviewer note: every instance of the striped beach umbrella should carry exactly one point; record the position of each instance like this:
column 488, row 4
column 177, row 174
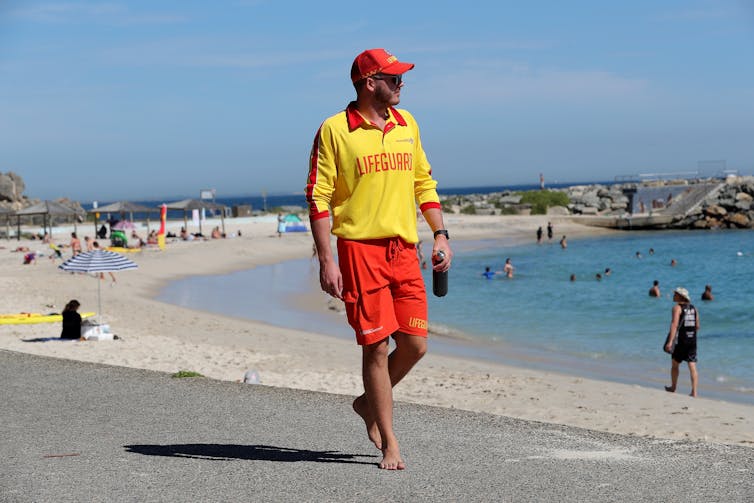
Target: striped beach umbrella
column 97, row 261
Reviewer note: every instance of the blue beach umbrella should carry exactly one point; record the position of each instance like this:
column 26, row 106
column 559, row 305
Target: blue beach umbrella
column 97, row 261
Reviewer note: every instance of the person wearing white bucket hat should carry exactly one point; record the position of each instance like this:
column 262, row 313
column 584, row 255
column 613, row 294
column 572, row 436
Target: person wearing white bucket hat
column 681, row 340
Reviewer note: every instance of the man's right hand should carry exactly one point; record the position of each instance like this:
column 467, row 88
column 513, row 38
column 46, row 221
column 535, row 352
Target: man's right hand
column 330, row 279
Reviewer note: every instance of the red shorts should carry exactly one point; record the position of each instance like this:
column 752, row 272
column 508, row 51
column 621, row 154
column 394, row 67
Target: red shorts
column 383, row 288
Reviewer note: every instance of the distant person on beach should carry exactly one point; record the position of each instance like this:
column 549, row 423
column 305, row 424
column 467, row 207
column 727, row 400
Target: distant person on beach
column 550, row 230
column 71, row 321
column 88, row 243
column 281, row 225
column 563, row 242
column 673, row 263
column 56, row 253
column 373, row 197
column 75, row 244
column 508, row 268
column 184, row 235
column 707, row 294
column 102, row 232
column 681, row 340
column 655, row 290
column 539, row 234
column 95, row 246
column 541, row 181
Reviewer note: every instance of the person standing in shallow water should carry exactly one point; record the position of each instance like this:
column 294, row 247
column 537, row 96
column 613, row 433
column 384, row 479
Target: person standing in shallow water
column 681, row 341
column 655, row 290
column 368, row 169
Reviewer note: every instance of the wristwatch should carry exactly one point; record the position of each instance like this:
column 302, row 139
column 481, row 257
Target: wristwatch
column 444, row 232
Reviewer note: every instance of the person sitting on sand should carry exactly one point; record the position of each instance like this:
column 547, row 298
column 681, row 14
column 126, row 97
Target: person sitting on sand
column 707, row 294
column 681, row 340
column 184, row 235
column 216, row 233
column 71, row 321
column 655, row 290
column 136, row 239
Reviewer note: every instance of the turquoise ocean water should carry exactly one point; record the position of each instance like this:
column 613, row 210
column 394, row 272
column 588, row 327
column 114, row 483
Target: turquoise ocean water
column 607, row 329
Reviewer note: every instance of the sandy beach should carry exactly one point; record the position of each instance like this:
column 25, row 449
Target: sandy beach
column 163, row 337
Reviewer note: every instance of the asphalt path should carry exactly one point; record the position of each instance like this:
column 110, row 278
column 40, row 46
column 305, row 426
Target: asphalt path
column 73, row 431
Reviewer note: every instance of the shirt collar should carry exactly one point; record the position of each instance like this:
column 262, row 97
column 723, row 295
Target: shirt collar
column 355, row 119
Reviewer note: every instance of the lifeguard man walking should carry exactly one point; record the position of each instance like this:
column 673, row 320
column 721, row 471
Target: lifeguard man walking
column 368, row 171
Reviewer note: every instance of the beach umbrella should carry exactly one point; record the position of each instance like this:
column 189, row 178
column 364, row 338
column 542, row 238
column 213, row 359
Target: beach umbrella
column 124, row 225
column 98, row 261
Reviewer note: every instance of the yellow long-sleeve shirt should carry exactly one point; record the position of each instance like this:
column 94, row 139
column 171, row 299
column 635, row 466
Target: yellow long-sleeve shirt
column 370, row 179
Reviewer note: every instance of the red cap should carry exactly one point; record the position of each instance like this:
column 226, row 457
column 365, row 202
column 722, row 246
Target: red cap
column 374, row 61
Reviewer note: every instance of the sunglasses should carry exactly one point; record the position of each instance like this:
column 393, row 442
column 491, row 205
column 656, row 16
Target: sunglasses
column 396, row 80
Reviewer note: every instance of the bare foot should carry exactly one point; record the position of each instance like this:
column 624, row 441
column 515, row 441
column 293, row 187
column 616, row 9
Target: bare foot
column 391, row 459
column 670, row 389
column 361, row 407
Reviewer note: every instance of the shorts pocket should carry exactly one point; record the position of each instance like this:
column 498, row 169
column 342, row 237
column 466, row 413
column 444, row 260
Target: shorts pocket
column 351, row 300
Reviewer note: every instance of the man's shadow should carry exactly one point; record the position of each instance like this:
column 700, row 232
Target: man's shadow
column 225, row 452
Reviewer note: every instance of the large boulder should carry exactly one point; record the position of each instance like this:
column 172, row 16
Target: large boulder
column 715, row 210
column 739, row 220
column 558, row 210
column 11, row 187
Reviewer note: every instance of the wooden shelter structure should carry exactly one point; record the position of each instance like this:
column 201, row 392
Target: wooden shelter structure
column 197, row 204
column 48, row 210
column 121, row 207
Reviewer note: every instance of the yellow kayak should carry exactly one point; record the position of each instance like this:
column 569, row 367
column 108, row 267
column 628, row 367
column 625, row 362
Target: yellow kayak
column 120, row 249
column 29, row 318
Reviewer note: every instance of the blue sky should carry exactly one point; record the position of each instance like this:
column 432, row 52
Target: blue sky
column 154, row 99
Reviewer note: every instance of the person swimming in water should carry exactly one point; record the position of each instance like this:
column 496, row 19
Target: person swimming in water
column 707, row 294
column 655, row 290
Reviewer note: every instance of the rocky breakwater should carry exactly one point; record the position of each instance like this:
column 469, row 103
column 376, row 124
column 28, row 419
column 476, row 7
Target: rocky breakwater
column 579, row 200
column 730, row 208
column 597, row 199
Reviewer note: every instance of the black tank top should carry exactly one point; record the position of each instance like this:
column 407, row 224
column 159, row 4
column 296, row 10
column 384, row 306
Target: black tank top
column 687, row 324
